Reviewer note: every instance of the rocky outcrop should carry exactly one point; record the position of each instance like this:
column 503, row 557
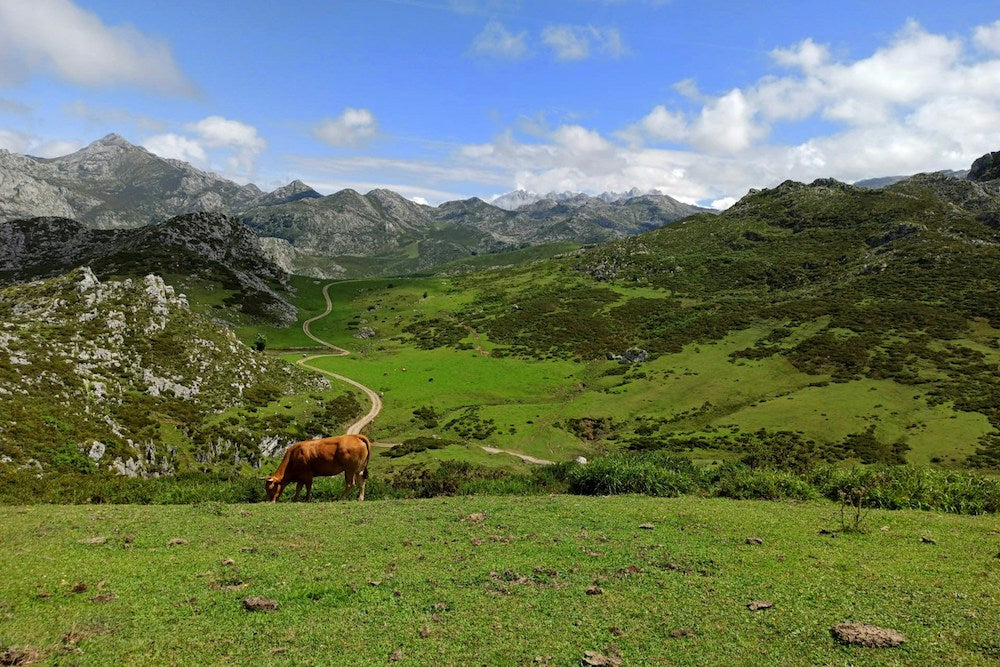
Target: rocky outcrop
column 188, row 244
column 986, row 168
column 91, row 366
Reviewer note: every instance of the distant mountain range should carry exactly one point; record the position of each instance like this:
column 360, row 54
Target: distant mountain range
column 518, row 198
column 113, row 184
column 885, row 181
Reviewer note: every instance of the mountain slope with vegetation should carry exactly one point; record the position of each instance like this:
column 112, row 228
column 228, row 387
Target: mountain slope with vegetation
column 122, row 376
column 825, row 321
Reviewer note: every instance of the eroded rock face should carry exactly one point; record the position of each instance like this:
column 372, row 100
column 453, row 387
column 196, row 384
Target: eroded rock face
column 79, row 351
column 986, row 168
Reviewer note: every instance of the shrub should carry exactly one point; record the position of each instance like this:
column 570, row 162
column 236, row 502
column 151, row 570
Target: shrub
column 741, row 482
column 651, row 474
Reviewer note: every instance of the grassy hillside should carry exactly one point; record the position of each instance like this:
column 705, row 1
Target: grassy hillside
column 864, row 322
column 497, row 581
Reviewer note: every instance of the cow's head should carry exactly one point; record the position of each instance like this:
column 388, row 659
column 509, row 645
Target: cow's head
column 273, row 488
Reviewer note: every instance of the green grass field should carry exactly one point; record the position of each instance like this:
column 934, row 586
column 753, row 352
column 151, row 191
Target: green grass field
column 428, row 582
column 700, row 389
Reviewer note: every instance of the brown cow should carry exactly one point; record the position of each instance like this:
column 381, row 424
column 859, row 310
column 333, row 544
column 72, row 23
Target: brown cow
column 346, row 454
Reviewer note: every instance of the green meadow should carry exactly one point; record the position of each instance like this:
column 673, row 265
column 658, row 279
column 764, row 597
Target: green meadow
column 704, row 390
column 494, row 580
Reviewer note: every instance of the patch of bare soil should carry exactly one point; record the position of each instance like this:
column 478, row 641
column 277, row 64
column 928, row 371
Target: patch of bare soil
column 258, row 603
column 16, row 656
column 611, row 658
column 757, row 605
column 863, row 634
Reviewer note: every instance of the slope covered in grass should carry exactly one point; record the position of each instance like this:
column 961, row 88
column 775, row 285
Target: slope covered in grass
column 863, row 321
column 495, row 581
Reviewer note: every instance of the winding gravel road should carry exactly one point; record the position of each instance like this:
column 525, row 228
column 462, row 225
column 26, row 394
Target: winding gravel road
column 376, row 400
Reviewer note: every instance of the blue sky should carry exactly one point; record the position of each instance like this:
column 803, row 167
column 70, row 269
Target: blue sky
column 442, row 99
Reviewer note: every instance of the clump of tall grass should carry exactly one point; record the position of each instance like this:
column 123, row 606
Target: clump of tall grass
column 651, row 474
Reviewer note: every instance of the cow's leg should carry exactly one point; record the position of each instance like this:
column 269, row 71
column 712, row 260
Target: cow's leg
column 309, row 490
column 298, row 489
column 277, row 493
column 348, row 483
column 361, row 485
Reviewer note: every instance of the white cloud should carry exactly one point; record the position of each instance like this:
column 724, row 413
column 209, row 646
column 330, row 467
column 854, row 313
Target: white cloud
column 177, row 147
column 354, row 128
column 495, row 41
column 56, row 148
column 56, row 37
column 576, row 42
column 988, row 37
column 921, row 102
column 15, row 142
column 219, row 132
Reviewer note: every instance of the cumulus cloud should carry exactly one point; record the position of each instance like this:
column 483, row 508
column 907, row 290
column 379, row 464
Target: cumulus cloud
column 56, row 148
column 354, row 128
column 921, row 102
column 56, row 37
column 220, row 144
column 177, row 147
column 15, row 142
column 576, row 42
column 988, row 37
column 495, row 41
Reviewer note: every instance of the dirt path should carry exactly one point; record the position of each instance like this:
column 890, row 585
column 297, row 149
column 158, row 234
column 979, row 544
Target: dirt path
column 376, row 400
column 357, row 426
column 523, row 457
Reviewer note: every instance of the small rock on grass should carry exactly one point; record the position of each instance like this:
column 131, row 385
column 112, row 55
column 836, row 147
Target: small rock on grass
column 258, row 603
column 864, row 634
column 595, row 590
column 176, row 542
column 928, row 540
column 99, row 539
column 646, row 526
column 755, row 540
column 757, row 605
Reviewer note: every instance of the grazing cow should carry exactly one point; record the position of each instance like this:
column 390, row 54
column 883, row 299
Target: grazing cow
column 346, row 454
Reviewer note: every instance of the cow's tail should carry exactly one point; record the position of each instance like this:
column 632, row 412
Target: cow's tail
column 368, row 446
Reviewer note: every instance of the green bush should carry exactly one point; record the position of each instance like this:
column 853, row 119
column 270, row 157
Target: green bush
column 742, row 482
column 912, row 487
column 652, row 474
